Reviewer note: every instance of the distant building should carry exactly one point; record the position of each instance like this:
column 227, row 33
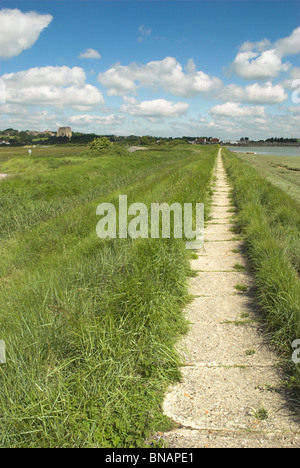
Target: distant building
column 230, row 142
column 64, row 132
column 203, row 141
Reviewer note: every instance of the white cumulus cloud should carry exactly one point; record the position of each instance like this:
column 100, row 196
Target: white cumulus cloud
column 87, row 120
column 19, row 31
column 167, row 74
column 263, row 60
column 258, row 66
column 54, row 76
column 157, row 108
column 291, row 81
column 256, row 93
column 289, row 45
column 90, row 54
column 52, row 86
column 233, row 109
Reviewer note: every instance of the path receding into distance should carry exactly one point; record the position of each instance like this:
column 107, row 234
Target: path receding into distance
column 231, row 394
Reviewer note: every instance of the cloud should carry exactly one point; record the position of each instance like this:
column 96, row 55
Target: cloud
column 259, row 46
column 157, row 108
column 295, row 110
column 233, row 109
column 289, row 82
column 143, row 32
column 262, row 60
column 254, row 66
column 256, row 93
column 167, row 74
column 22, row 118
column 289, row 45
column 118, row 80
column 19, row 31
column 175, row 81
column 52, row 86
column 95, row 120
column 54, row 76
column 89, row 54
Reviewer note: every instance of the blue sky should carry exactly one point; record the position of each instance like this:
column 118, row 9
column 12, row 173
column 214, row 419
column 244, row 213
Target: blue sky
column 201, row 68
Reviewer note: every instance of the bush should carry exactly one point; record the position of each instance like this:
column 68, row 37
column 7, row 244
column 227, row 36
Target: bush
column 100, row 144
column 103, row 145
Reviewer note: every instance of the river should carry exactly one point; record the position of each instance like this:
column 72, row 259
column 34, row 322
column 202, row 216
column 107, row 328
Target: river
column 268, row 150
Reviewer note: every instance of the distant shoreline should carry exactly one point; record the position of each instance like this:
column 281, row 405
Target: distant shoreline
column 262, row 145
column 286, row 151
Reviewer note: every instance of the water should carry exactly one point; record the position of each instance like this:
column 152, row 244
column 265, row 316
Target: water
column 268, row 150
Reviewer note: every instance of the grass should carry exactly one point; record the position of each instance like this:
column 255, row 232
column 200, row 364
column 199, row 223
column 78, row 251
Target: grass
column 261, row 414
column 90, row 325
column 239, row 267
column 241, row 287
column 52, row 151
column 269, row 220
column 281, row 171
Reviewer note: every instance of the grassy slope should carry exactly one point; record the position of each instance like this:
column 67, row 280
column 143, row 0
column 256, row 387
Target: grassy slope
column 39, row 152
column 281, row 171
column 89, row 324
column 270, row 222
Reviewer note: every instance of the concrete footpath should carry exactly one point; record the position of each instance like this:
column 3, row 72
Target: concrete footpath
column 231, row 394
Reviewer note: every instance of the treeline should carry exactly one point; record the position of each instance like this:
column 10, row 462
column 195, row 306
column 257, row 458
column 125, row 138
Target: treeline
column 281, row 140
column 268, row 141
column 22, row 138
column 16, row 138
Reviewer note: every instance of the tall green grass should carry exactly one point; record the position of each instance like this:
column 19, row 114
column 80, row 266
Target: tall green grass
column 270, row 222
column 281, row 171
column 44, row 187
column 90, row 325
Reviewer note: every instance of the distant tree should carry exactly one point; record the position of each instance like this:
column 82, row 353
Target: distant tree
column 147, row 140
column 178, row 141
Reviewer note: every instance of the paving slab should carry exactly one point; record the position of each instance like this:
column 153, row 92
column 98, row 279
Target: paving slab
column 214, row 309
column 215, row 263
column 230, row 398
column 218, row 283
column 214, row 236
column 220, row 228
column 219, row 249
column 226, row 344
column 189, row 438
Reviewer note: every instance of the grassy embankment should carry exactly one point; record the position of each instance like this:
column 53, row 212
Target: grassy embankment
column 90, row 325
column 282, row 171
column 269, row 219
